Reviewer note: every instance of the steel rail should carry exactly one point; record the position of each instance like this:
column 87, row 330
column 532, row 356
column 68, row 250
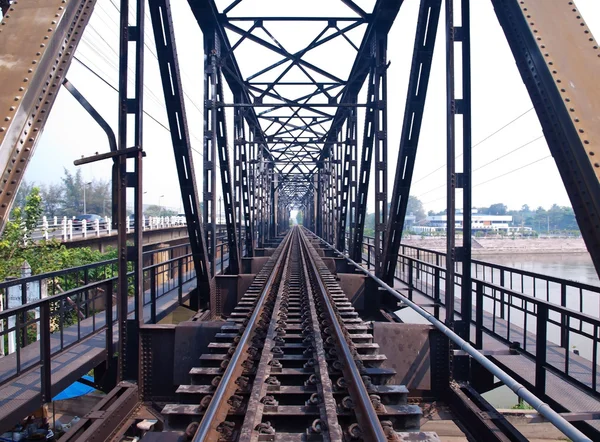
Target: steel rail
column 365, row 412
column 209, row 420
column 541, row 407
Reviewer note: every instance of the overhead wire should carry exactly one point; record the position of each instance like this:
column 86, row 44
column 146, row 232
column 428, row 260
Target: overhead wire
column 498, row 177
column 478, row 143
column 490, row 162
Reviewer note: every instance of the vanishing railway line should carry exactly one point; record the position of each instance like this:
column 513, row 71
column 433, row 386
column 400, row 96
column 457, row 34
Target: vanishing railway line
column 293, row 362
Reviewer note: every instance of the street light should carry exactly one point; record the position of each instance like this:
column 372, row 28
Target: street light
column 160, row 205
column 84, row 203
column 220, row 221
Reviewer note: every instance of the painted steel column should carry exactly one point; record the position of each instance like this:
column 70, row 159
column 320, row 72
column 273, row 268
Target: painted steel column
column 209, row 178
column 128, row 336
column 380, row 146
column 466, row 305
column 226, row 182
column 347, row 166
column 429, row 13
column 362, row 192
column 458, row 180
column 162, row 23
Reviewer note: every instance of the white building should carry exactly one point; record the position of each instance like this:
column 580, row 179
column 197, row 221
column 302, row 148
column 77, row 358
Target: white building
column 478, row 222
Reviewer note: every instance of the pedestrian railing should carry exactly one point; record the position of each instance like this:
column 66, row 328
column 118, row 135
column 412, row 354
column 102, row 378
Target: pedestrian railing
column 553, row 321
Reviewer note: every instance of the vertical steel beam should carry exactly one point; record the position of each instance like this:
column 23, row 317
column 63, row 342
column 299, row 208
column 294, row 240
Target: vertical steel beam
column 319, row 214
column 239, row 141
column 380, row 146
column 209, row 178
column 427, row 24
column 128, row 358
column 162, row 23
column 466, row 305
column 458, row 180
column 349, row 148
column 360, row 204
column 226, row 182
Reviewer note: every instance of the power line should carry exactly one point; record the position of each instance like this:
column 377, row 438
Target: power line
column 479, row 142
column 487, row 164
column 499, row 176
column 145, row 112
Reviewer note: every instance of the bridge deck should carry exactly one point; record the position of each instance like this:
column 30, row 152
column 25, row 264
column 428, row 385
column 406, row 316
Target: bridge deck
column 521, row 366
column 21, row 395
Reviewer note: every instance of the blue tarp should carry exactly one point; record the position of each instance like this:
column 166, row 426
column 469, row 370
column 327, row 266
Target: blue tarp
column 75, row 390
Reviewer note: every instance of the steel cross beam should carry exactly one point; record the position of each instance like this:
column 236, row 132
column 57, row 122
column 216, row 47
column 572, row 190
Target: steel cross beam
column 162, row 23
column 380, row 21
column 427, row 24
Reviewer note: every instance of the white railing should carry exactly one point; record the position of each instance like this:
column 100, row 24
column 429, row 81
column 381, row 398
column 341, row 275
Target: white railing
column 68, row 229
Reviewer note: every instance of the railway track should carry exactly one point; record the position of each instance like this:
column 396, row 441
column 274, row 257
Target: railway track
column 293, row 362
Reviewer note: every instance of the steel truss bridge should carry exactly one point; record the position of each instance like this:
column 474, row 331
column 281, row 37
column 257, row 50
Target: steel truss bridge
column 309, row 349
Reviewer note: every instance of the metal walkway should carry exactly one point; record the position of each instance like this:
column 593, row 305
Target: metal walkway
column 21, row 395
column 558, row 389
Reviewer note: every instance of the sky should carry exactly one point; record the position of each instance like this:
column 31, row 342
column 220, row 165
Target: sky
column 512, row 166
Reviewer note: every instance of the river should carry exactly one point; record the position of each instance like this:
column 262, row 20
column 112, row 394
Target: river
column 572, row 266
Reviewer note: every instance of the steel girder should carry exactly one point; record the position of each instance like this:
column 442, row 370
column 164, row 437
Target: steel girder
column 360, row 203
column 427, row 24
column 557, row 57
column 162, row 23
column 29, row 82
column 129, row 348
column 295, row 140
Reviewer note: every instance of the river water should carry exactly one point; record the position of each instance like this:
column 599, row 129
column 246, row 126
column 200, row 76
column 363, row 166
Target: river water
column 576, row 267
column 572, row 266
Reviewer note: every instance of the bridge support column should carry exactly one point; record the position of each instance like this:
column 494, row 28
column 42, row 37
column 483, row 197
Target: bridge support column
column 458, row 180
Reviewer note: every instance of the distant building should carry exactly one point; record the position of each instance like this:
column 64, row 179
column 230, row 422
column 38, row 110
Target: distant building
column 494, row 223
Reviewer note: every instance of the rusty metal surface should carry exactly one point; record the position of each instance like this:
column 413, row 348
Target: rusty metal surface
column 573, row 57
column 38, row 39
column 107, row 416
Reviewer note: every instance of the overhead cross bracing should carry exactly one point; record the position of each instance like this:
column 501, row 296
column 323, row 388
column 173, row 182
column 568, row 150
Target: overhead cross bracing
column 294, row 72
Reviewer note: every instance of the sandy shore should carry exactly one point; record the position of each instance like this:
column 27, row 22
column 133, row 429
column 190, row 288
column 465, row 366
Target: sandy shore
column 487, row 246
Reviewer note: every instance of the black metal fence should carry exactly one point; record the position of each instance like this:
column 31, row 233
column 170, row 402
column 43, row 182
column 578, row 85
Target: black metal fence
column 552, row 320
column 40, row 329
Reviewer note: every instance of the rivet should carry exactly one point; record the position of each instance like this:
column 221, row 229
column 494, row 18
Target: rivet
column 6, row 118
column 2, row 129
column 12, row 108
column 53, row 22
column 33, row 61
column 49, row 29
column 43, row 45
column 17, row 98
column 38, row 53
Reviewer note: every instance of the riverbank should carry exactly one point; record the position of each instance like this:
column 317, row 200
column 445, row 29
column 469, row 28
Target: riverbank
column 496, row 246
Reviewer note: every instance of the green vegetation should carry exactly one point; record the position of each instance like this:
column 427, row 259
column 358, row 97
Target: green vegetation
column 66, row 198
column 43, row 256
column 522, row 405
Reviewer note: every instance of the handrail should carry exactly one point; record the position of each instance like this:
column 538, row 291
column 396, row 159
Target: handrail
column 542, row 408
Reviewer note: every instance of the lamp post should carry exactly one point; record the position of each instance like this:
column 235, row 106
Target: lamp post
column 84, row 202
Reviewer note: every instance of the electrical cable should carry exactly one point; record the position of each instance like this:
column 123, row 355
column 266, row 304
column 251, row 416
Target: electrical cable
column 487, row 164
column 499, row 176
column 478, row 143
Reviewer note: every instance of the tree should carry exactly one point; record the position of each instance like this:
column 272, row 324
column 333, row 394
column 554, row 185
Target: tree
column 42, row 256
column 24, row 190
column 415, row 207
column 52, row 199
column 155, row 210
column 72, row 196
column 497, row 209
